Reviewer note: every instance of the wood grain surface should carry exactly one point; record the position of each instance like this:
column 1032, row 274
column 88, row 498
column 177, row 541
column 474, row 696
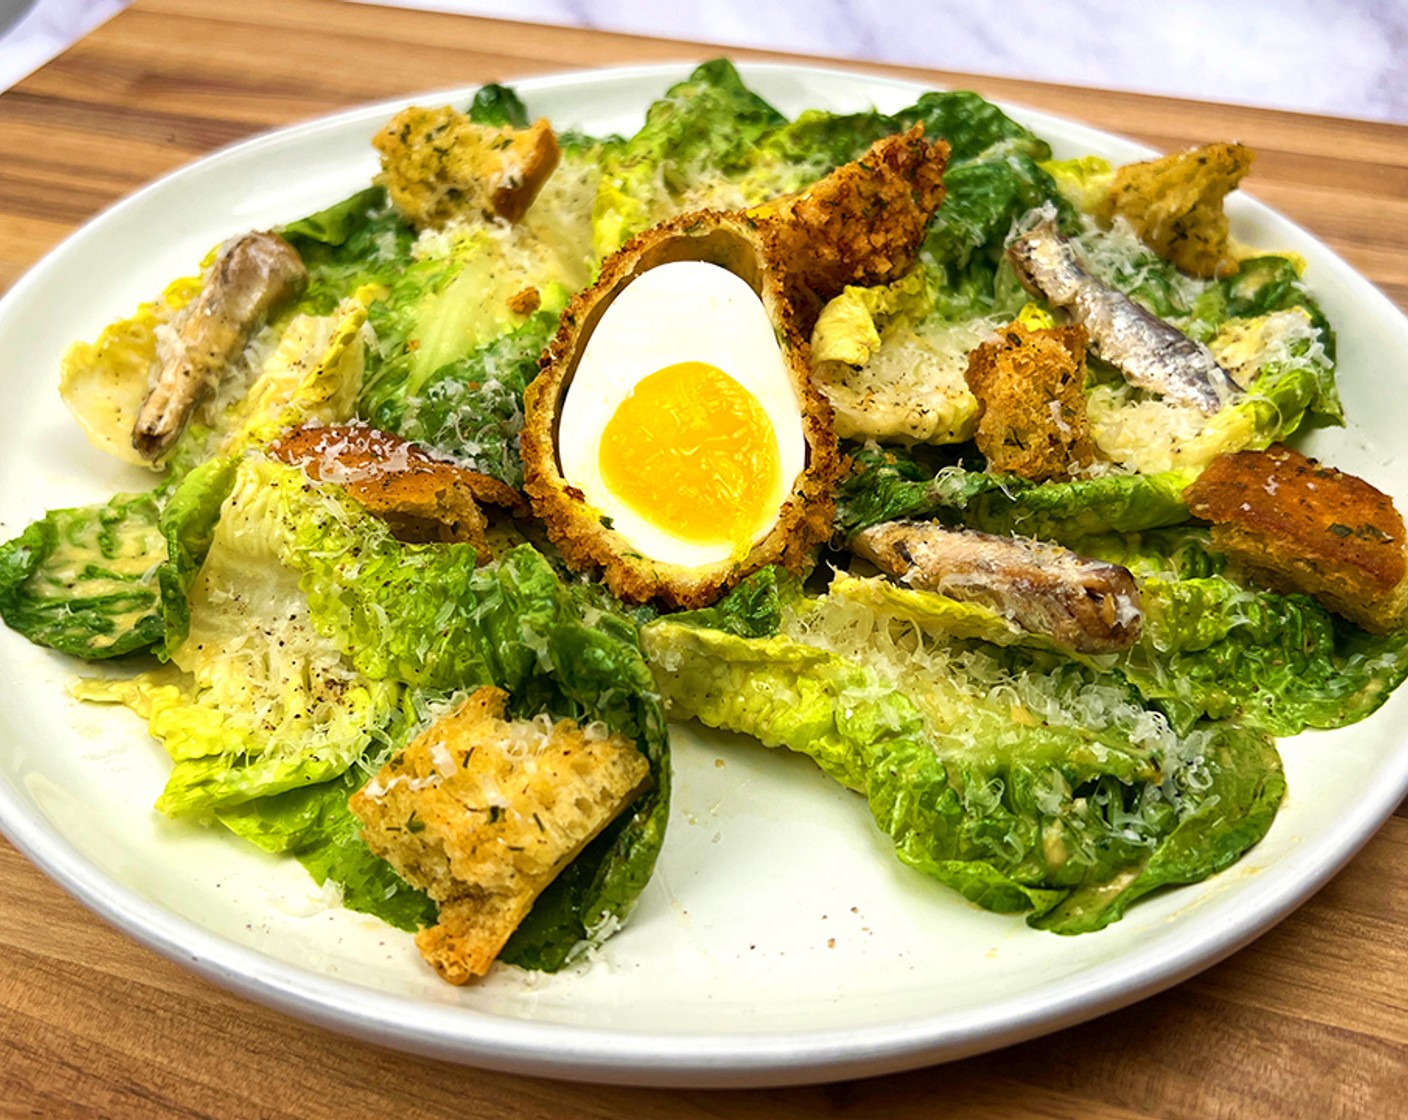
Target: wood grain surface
column 1312, row 1020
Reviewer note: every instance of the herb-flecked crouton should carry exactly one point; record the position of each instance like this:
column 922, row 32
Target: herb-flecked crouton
column 437, row 164
column 1175, row 204
column 1303, row 527
column 1030, row 386
column 482, row 813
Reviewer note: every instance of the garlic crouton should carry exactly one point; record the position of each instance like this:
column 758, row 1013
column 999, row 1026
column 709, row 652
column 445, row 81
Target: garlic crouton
column 1175, row 204
column 420, row 497
column 1304, row 527
column 437, row 164
column 1030, row 386
column 483, row 813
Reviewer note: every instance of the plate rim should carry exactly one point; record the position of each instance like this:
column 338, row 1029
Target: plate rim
column 610, row 1055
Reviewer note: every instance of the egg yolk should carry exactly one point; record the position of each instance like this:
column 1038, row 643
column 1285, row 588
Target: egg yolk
column 692, row 451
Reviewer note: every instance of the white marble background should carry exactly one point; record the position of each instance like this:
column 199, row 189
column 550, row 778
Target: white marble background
column 34, row 31
column 1339, row 57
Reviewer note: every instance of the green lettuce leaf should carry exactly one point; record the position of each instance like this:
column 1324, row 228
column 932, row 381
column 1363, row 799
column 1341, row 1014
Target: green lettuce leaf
column 1229, row 796
column 1298, row 377
column 84, row 581
column 984, row 197
column 359, row 241
column 971, row 125
column 1270, row 283
column 314, row 825
column 782, row 692
column 889, row 484
column 499, row 106
column 472, row 408
column 892, row 484
column 817, row 143
column 1068, row 512
column 708, row 125
column 188, row 526
column 1025, row 781
column 1279, row 662
column 994, row 178
column 753, row 609
column 439, row 309
column 333, row 225
column 452, row 359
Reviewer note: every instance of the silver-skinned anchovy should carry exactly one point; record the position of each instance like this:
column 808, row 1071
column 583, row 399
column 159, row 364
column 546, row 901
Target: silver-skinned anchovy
column 1084, row 605
column 252, row 280
column 1151, row 353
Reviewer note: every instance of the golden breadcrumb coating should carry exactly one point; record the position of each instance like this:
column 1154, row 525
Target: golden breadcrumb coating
column 420, row 497
column 1304, row 527
column 483, row 813
column 1175, row 204
column 437, row 164
column 1030, row 386
column 861, row 224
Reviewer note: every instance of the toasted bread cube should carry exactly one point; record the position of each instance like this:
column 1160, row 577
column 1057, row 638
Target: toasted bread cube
column 483, row 813
column 1030, row 386
column 1175, row 204
column 437, row 164
column 1303, row 527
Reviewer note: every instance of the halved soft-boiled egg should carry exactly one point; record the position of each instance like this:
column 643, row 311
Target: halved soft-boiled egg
column 681, row 423
column 673, row 439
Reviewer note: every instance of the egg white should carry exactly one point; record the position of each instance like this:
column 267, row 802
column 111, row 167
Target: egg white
column 679, row 312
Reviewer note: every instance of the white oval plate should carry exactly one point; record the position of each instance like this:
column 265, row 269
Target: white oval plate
column 780, row 941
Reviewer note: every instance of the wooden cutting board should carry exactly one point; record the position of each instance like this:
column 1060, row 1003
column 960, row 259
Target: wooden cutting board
column 1311, row 1020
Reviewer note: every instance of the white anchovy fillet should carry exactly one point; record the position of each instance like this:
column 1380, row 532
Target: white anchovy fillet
column 1081, row 604
column 255, row 277
column 1151, row 353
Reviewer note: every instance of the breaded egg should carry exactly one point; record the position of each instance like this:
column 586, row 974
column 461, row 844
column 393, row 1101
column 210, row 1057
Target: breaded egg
column 681, row 424
column 673, row 440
